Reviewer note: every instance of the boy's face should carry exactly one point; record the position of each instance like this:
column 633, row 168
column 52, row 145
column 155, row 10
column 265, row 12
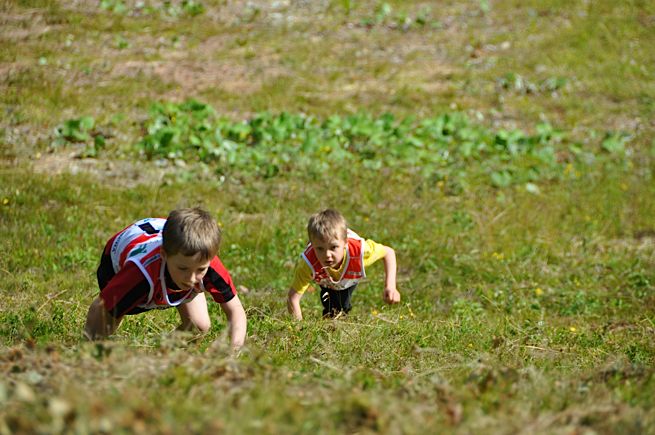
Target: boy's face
column 186, row 271
column 329, row 252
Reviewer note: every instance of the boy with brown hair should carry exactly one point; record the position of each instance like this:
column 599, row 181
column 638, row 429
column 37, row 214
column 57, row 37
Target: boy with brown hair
column 336, row 258
column 163, row 263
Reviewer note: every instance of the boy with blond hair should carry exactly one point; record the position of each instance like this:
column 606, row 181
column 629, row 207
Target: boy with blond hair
column 163, row 263
column 336, row 259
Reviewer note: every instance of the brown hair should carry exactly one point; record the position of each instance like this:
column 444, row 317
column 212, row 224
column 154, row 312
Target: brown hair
column 189, row 231
column 327, row 225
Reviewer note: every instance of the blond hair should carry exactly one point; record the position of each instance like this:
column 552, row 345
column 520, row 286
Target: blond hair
column 328, row 224
column 191, row 231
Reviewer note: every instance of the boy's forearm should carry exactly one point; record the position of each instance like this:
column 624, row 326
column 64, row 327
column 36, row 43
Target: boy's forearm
column 293, row 304
column 238, row 328
column 390, row 268
column 238, row 324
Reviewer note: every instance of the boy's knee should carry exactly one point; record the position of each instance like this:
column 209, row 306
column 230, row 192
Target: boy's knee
column 198, row 325
column 204, row 326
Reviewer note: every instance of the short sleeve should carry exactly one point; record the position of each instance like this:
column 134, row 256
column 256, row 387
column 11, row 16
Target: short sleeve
column 218, row 282
column 373, row 251
column 302, row 276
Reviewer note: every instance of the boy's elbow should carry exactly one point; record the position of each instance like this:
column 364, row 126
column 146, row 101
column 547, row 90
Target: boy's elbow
column 234, row 309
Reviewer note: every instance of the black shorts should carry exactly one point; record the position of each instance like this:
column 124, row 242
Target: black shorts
column 336, row 301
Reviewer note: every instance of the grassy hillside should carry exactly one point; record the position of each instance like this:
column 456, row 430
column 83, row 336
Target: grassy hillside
column 503, row 149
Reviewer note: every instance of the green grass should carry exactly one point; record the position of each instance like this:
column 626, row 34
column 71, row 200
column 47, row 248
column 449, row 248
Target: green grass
column 522, row 310
column 473, row 335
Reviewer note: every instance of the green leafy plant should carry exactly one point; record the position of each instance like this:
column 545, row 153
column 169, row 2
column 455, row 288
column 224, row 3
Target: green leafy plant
column 448, row 145
column 81, row 130
column 614, row 143
column 169, row 8
column 76, row 130
column 384, row 15
column 113, row 6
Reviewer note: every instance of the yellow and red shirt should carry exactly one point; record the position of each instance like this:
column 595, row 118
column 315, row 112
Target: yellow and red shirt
column 359, row 254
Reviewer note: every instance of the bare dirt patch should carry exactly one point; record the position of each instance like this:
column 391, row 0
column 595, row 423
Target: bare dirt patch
column 192, row 77
column 20, row 26
column 119, row 173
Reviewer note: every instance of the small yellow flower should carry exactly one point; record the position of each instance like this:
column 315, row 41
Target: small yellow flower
column 440, row 183
column 374, row 312
column 5, row 201
column 498, row 256
column 402, row 317
column 470, row 344
column 572, row 329
column 538, row 291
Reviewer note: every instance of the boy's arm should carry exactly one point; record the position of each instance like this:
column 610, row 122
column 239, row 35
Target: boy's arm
column 391, row 294
column 236, row 317
column 293, row 304
column 302, row 278
column 99, row 322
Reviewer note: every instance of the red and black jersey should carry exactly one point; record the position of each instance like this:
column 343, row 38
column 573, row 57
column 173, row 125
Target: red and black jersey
column 133, row 278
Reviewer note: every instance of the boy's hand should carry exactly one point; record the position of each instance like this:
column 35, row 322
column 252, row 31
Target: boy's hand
column 391, row 296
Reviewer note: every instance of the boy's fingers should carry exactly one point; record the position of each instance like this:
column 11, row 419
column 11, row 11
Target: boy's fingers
column 391, row 297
